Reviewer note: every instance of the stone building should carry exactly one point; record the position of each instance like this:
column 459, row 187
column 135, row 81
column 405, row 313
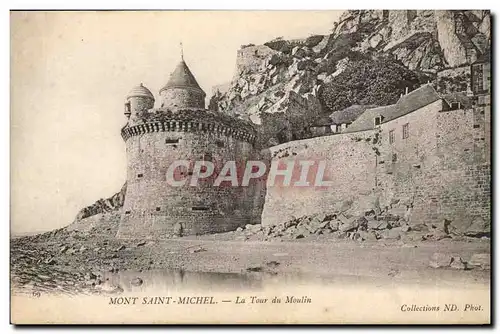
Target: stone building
column 425, row 152
column 182, row 129
column 342, row 119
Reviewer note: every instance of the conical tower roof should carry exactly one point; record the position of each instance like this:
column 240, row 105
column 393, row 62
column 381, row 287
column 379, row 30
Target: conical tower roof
column 182, row 77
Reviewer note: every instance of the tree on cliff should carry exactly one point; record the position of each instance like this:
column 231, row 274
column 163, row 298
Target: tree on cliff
column 368, row 81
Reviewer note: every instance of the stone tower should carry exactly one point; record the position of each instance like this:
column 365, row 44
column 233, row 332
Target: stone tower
column 139, row 100
column 182, row 129
column 182, row 90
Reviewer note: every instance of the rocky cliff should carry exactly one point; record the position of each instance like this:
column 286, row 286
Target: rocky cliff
column 111, row 204
column 285, row 86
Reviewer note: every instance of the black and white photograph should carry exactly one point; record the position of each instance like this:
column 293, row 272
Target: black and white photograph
column 250, row 167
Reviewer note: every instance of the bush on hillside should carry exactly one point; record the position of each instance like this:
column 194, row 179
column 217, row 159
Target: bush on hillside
column 313, row 40
column 368, row 81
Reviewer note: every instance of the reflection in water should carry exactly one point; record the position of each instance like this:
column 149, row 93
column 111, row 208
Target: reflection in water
column 178, row 280
column 173, row 280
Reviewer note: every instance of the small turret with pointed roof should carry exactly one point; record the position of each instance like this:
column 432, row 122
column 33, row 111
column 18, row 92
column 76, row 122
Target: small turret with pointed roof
column 182, row 90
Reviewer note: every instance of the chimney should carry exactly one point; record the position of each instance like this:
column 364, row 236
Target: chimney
column 406, row 90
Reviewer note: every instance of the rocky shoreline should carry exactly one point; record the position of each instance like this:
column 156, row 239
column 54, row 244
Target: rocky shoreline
column 76, row 260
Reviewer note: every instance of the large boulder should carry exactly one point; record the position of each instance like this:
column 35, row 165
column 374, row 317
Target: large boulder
column 393, row 233
column 368, row 235
column 478, row 228
column 458, row 263
column 480, row 260
column 347, row 224
column 440, row 260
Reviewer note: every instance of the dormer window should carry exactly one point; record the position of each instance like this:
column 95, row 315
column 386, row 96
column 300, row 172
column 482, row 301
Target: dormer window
column 378, row 120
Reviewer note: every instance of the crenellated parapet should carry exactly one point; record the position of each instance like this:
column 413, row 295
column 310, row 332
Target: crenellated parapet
column 181, row 128
column 186, row 126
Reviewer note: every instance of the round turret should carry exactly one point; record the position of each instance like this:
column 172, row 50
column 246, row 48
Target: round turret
column 182, row 91
column 183, row 130
column 139, row 100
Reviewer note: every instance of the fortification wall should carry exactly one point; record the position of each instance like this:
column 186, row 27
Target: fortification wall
column 444, row 171
column 350, row 166
column 461, row 180
column 155, row 209
column 440, row 171
column 404, row 161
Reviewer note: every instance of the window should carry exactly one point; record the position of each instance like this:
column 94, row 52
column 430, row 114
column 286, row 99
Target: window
column 391, row 136
column 477, row 78
column 127, row 212
column 158, row 208
column 200, row 208
column 406, row 131
column 378, row 120
column 127, row 108
column 171, row 141
column 140, row 175
column 394, row 157
column 219, row 143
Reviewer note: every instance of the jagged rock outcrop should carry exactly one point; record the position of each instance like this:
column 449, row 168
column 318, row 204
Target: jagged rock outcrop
column 272, row 76
column 113, row 203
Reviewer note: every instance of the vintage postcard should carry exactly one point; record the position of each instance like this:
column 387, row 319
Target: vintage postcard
column 250, row 167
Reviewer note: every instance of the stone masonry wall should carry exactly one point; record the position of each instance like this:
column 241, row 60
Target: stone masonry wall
column 350, row 165
column 155, row 209
column 441, row 171
column 403, row 161
column 464, row 167
column 138, row 106
column 182, row 98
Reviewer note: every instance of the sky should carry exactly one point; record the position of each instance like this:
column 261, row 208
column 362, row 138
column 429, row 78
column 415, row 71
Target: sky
column 70, row 73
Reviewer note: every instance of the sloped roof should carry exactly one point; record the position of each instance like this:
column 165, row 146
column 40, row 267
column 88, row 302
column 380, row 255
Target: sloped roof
column 182, row 77
column 322, row 121
column 366, row 120
column 414, row 100
column 406, row 104
column 349, row 114
column 140, row 91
